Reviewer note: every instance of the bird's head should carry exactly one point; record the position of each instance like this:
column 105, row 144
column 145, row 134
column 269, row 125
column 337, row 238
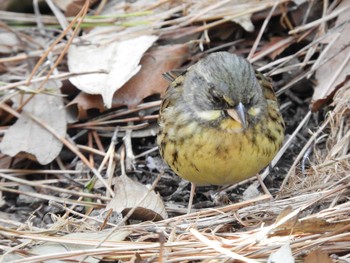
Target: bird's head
column 221, row 85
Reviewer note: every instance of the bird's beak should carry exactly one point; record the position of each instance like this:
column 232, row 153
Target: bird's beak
column 238, row 114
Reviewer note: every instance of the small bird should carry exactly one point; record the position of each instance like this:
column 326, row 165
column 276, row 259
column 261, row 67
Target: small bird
column 219, row 122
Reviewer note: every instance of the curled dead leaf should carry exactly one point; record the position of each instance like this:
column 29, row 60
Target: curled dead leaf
column 129, row 193
column 147, row 82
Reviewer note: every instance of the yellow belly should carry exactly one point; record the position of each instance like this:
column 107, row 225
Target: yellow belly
column 207, row 155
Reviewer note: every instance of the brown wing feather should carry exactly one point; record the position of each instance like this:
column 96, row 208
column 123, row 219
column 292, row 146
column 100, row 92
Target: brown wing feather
column 271, row 98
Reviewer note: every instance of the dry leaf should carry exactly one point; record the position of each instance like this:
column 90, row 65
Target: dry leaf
column 129, row 193
column 149, row 80
column 309, row 225
column 79, row 107
column 72, row 242
column 120, row 60
column 282, row 255
column 335, row 69
column 318, row 256
column 28, row 137
column 146, row 82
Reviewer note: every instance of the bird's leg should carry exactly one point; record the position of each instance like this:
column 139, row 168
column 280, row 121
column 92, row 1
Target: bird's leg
column 190, row 202
column 263, row 186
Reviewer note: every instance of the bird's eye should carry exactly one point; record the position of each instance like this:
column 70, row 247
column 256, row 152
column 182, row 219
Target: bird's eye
column 214, row 95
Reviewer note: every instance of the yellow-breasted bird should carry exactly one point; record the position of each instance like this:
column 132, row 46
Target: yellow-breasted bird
column 219, row 122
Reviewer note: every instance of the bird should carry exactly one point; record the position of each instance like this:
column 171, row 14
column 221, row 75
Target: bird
column 219, row 122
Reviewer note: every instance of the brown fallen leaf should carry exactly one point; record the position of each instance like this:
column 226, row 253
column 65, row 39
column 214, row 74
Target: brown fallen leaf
column 309, row 225
column 146, row 82
column 78, row 108
column 335, row 69
column 129, row 193
column 119, row 59
column 318, row 256
column 149, row 80
column 28, row 137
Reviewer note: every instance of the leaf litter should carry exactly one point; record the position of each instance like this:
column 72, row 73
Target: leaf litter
column 95, row 185
column 29, row 137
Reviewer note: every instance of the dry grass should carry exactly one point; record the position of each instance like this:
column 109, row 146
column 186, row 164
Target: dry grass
column 310, row 211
